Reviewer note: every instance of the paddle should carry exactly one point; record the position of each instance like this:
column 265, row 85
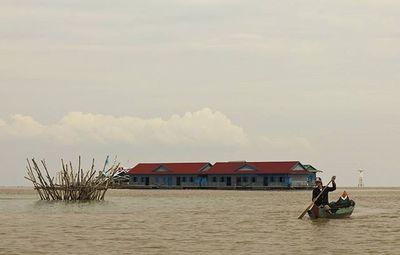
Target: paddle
column 312, row 203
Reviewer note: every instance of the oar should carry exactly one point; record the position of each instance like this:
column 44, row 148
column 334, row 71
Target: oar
column 312, row 203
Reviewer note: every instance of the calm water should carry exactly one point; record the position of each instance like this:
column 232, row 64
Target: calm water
column 197, row 222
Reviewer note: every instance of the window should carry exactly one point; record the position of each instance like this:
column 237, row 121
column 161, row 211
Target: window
column 222, row 179
column 191, row 179
column 214, row 179
column 184, row 179
column 142, row 179
column 281, row 179
column 272, row 179
column 245, row 179
column 253, row 179
column 134, row 179
column 156, row 180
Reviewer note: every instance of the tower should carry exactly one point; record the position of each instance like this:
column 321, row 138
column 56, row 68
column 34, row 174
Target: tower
column 361, row 178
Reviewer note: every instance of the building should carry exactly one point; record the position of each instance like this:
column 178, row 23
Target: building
column 169, row 175
column 223, row 175
column 312, row 169
column 121, row 177
column 282, row 174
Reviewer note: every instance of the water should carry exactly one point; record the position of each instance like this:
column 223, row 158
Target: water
column 197, row 222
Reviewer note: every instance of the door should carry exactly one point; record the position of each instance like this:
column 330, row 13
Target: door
column 168, row 180
column 238, row 181
column 147, row 181
column 178, row 181
column 228, row 181
column 265, row 180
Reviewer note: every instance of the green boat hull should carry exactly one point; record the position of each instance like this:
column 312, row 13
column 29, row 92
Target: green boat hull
column 315, row 213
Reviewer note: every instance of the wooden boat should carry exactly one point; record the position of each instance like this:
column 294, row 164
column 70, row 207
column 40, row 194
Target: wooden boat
column 336, row 213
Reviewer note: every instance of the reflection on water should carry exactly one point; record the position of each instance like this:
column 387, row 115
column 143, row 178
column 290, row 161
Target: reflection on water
column 196, row 221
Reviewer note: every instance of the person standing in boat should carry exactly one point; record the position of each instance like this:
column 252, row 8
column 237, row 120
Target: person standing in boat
column 323, row 200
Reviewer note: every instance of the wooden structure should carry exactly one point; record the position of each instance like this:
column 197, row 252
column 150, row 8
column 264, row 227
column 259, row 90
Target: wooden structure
column 70, row 183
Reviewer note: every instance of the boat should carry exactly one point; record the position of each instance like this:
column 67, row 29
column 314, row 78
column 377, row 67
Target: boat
column 316, row 212
column 342, row 208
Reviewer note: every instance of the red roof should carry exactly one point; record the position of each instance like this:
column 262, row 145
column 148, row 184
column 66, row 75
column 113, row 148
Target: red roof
column 169, row 168
column 243, row 167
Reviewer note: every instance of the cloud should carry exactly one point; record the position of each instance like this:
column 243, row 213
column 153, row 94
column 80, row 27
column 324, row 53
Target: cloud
column 21, row 126
column 199, row 128
column 202, row 128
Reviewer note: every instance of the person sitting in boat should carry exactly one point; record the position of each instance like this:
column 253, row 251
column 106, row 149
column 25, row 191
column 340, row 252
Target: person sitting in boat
column 323, row 200
column 343, row 201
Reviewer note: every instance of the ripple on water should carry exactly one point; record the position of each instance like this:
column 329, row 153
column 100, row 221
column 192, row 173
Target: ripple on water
column 195, row 221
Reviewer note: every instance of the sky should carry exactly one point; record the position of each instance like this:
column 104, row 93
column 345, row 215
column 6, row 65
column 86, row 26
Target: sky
column 200, row 80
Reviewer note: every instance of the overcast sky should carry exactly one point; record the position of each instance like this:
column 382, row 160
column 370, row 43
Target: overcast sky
column 202, row 80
